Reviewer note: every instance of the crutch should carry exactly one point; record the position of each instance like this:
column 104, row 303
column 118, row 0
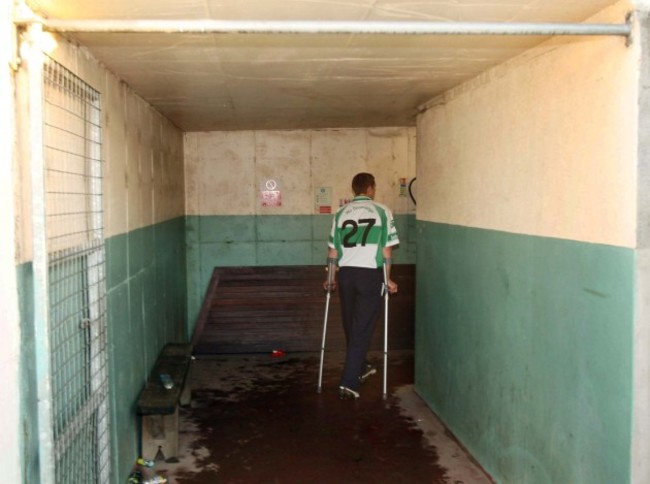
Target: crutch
column 384, row 395
column 331, row 268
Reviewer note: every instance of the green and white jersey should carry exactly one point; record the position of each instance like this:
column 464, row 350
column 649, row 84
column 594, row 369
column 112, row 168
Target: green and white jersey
column 360, row 230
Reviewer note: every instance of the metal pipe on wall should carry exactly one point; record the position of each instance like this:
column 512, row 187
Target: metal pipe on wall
column 40, row 258
column 330, row 27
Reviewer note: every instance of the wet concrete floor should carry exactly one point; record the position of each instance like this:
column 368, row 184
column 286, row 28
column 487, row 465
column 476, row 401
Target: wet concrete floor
column 259, row 419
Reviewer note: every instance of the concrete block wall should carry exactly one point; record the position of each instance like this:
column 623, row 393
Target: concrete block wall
column 525, row 312
column 144, row 228
column 226, row 172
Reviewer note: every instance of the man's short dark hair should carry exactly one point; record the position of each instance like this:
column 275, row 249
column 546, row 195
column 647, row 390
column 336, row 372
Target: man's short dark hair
column 361, row 182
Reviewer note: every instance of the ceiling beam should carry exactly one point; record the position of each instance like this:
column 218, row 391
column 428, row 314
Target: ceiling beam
column 330, row 27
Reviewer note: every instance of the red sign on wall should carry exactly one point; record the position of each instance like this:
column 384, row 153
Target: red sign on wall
column 271, row 198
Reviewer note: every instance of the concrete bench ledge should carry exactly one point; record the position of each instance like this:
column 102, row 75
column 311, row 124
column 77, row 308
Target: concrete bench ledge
column 158, row 406
column 174, row 360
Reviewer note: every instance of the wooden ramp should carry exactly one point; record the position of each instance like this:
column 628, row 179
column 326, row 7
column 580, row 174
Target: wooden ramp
column 262, row 309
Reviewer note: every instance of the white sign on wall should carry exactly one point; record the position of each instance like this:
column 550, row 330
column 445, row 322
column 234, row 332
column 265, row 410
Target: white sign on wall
column 323, row 199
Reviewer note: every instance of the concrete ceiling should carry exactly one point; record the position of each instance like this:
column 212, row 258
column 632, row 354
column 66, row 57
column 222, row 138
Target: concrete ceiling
column 205, row 82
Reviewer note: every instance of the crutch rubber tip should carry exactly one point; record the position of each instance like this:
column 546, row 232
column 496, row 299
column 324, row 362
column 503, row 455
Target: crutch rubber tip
column 319, row 390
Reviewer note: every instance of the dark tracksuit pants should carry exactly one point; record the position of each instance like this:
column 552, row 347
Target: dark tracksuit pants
column 360, row 295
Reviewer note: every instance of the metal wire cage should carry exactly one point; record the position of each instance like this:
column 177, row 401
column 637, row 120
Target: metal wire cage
column 76, row 277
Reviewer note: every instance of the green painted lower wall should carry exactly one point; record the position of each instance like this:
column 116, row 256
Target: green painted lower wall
column 524, row 349
column 146, row 289
column 28, row 388
column 267, row 240
column 146, row 292
column 523, row 344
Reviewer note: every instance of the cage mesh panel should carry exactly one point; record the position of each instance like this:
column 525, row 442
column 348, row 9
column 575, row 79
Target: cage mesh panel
column 77, row 290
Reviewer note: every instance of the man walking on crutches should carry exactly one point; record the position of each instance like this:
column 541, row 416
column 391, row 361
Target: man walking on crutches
column 360, row 243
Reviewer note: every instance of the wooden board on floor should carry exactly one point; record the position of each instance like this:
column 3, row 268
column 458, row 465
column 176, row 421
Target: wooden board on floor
column 261, row 309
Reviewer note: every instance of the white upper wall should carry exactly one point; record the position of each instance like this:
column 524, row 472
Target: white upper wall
column 543, row 145
column 226, row 170
column 142, row 153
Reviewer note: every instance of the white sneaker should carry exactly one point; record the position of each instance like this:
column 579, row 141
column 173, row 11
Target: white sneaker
column 370, row 370
column 347, row 393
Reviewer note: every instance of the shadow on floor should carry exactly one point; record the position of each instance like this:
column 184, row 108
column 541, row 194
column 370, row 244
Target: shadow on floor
column 259, row 419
